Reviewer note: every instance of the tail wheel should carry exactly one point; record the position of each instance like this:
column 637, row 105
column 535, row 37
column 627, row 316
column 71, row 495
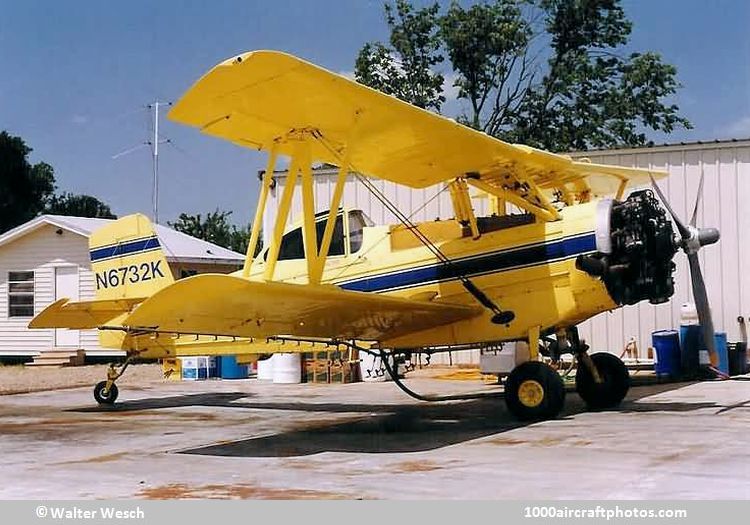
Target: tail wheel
column 614, row 386
column 104, row 396
column 534, row 391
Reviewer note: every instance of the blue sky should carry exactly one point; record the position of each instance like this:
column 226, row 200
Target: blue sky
column 75, row 77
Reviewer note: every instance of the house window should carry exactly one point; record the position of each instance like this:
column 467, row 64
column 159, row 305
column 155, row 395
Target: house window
column 20, row 294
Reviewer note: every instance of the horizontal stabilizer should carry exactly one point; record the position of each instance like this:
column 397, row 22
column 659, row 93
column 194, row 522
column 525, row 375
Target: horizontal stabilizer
column 82, row 315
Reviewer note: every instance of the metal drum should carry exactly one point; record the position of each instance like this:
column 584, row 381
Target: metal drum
column 667, row 346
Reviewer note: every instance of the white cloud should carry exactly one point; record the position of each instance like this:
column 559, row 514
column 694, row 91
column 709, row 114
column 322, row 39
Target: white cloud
column 79, row 119
column 347, row 74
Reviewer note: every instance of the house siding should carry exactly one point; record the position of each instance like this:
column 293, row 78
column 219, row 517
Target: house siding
column 42, row 251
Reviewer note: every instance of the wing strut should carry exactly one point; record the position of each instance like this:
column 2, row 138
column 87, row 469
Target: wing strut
column 258, row 221
column 499, row 316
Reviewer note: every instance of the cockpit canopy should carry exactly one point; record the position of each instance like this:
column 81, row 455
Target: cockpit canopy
column 346, row 240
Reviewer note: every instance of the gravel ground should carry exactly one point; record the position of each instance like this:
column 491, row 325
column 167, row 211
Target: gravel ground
column 20, row 379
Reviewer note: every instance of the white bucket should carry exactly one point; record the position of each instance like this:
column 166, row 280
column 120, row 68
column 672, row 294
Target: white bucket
column 287, row 368
column 688, row 314
column 265, row 369
column 371, row 368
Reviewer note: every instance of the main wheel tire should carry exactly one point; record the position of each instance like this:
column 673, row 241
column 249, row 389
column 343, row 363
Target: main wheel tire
column 614, row 386
column 104, row 396
column 534, row 391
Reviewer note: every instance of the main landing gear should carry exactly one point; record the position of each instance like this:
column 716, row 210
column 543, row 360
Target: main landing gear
column 105, row 392
column 535, row 391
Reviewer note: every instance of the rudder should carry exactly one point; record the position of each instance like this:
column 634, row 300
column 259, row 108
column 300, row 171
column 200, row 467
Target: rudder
column 127, row 259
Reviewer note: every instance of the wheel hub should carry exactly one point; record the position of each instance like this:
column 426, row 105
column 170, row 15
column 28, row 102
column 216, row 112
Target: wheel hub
column 530, row 393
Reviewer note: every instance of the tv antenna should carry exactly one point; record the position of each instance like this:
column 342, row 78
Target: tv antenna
column 154, row 145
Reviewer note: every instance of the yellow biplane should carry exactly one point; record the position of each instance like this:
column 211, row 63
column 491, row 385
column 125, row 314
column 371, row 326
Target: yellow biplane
column 577, row 246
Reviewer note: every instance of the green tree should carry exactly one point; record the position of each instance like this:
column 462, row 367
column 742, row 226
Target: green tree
column 215, row 228
column 79, row 206
column 25, row 189
column 404, row 69
column 488, row 46
column 548, row 73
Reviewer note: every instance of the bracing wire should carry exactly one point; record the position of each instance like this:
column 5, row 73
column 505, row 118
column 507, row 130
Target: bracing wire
column 343, row 269
column 500, row 316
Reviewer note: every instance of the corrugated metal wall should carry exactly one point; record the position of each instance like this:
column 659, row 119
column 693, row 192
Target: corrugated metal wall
column 727, row 189
column 725, row 197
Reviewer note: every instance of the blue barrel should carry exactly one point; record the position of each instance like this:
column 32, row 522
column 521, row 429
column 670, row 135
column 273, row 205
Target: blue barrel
column 720, row 339
column 691, row 341
column 230, row 369
column 667, row 346
column 213, row 367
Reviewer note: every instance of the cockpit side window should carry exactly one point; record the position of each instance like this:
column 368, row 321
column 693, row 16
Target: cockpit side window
column 357, row 223
column 337, row 240
column 292, row 246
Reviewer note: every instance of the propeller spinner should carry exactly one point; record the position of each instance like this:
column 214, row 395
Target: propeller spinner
column 692, row 239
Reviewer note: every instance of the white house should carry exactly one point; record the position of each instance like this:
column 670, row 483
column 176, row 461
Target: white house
column 47, row 258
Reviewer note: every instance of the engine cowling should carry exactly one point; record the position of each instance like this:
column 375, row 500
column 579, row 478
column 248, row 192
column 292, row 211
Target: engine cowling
column 635, row 247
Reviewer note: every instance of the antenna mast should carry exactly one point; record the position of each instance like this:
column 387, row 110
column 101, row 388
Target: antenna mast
column 155, row 149
column 154, row 155
column 155, row 163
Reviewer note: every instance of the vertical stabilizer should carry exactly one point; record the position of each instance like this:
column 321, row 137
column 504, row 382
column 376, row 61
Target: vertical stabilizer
column 128, row 260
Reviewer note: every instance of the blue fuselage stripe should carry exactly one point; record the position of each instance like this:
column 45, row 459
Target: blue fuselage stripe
column 128, row 248
column 531, row 255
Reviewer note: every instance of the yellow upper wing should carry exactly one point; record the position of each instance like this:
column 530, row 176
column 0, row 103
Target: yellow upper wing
column 212, row 304
column 258, row 98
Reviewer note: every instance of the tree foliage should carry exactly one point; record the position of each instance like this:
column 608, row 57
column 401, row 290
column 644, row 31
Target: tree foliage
column 405, row 68
column 79, row 206
column 28, row 190
column 25, row 189
column 215, row 228
column 548, row 73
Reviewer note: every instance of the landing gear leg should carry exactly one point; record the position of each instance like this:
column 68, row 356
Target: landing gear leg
column 602, row 379
column 105, row 392
column 534, row 390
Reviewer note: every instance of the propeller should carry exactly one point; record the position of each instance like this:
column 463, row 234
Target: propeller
column 692, row 239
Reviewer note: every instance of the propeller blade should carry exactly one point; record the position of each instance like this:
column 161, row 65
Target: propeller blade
column 701, row 304
column 698, row 197
column 684, row 232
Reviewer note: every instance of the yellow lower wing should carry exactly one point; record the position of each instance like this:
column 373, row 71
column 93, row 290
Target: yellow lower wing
column 211, row 304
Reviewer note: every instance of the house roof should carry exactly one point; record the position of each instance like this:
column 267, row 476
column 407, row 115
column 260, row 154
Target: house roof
column 178, row 246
